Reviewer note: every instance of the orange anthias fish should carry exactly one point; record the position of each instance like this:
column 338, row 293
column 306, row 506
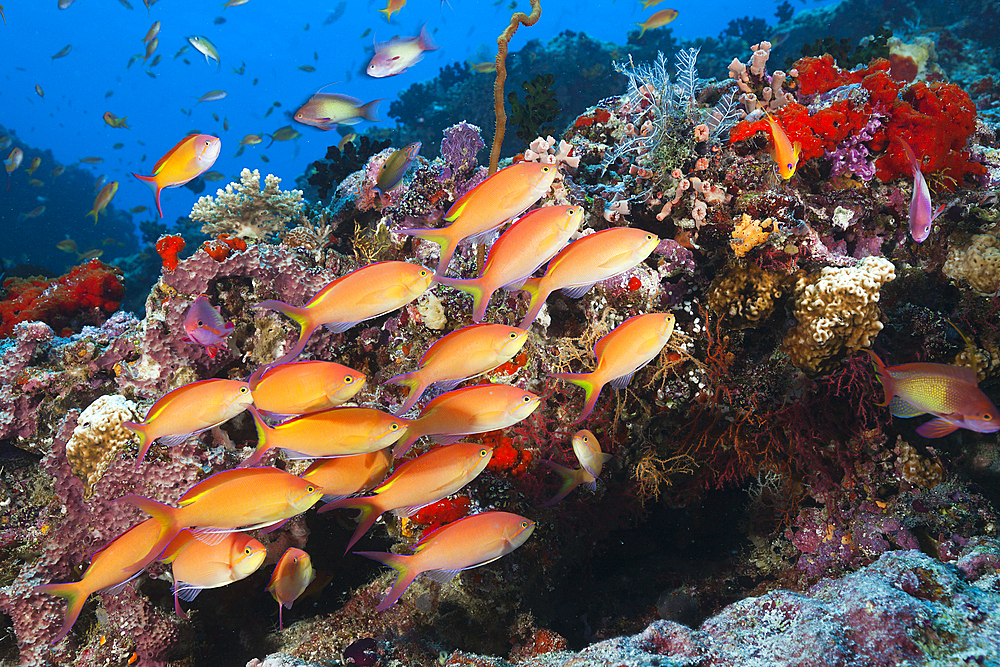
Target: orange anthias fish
column 114, row 121
column 196, row 565
column 372, row 290
column 494, row 202
column 587, row 261
column 292, row 575
column 466, row 411
column 657, row 20
column 102, row 199
column 35, row 163
column 391, row 7
column 467, row 543
column 418, row 483
column 462, row 354
column 302, row 387
column 12, row 162
column 592, row 459
column 950, row 393
column 633, row 344
column 783, row 152
column 347, row 475
column 190, row 409
column 232, row 500
column 110, row 569
column 204, row 325
column 530, row 242
column 333, row 432
column 192, row 156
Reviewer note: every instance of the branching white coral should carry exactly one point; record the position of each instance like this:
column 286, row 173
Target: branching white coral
column 243, row 209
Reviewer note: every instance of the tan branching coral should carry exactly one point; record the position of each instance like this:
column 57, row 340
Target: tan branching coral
column 744, row 296
column 837, row 313
column 98, row 436
column 750, row 233
column 916, row 469
column 244, row 209
column 977, row 263
column 312, row 235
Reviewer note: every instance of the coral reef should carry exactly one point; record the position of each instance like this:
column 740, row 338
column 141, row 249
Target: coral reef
column 246, row 210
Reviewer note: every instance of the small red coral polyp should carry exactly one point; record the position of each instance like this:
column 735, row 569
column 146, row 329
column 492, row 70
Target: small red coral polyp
column 220, row 248
column 599, row 116
column 87, row 293
column 168, row 247
column 444, row 511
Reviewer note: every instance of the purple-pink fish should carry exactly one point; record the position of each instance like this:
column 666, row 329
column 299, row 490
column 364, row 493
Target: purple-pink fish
column 204, row 325
column 922, row 215
column 395, row 56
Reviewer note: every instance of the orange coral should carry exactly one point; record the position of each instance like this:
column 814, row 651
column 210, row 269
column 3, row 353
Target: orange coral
column 749, row 233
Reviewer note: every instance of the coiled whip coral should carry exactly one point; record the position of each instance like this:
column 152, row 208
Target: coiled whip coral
column 503, row 40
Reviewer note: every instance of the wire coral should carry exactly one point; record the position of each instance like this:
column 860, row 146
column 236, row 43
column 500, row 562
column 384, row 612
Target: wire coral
column 837, row 313
column 245, row 210
column 518, row 19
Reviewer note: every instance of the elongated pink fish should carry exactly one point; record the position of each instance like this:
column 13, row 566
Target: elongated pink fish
column 188, row 410
column 587, row 261
column 922, row 213
column 462, row 354
column 630, row 346
column 530, row 242
column 494, row 202
column 372, row 290
column 204, row 325
column 417, row 483
column 467, row 543
column 950, row 393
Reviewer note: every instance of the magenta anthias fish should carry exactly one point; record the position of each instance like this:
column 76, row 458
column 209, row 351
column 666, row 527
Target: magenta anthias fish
column 950, row 393
column 922, row 215
column 204, row 325
column 393, row 57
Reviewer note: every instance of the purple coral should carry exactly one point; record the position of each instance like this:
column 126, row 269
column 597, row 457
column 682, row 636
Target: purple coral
column 852, row 155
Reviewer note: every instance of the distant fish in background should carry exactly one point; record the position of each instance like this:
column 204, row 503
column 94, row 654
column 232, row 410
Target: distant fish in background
column 58, row 171
column 337, row 12
column 125, row 4
column 307, row 68
column 204, row 325
column 235, row 3
column 657, row 20
column 395, row 56
column 153, row 31
column 219, row 20
column 212, row 96
column 12, row 162
column 646, row 4
column 92, row 160
column 483, row 67
column 35, row 163
column 33, row 213
column 326, row 110
column 40, row 92
column 64, row 51
column 286, row 133
column 114, row 121
column 192, row 156
column 205, row 47
column 103, row 198
column 592, row 459
column 346, row 139
column 392, row 6
column 150, row 48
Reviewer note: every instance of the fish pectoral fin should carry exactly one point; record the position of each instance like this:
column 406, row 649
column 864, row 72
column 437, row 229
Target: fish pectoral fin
column 212, row 536
column 447, row 385
column 273, row 527
column 488, row 237
column 515, row 285
column 446, row 439
column 186, row 591
column 578, row 291
column 901, row 408
column 407, row 511
column 937, row 428
column 441, row 576
column 174, row 440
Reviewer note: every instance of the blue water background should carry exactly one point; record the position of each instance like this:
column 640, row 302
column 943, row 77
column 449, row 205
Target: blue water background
column 273, row 39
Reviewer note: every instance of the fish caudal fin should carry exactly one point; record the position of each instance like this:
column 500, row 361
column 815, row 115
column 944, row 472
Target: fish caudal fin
column 151, row 181
column 75, row 600
column 569, row 482
column 369, row 111
column 888, row 383
column 300, row 316
column 144, row 440
column 405, row 574
column 415, row 385
column 435, row 236
column 263, row 440
column 536, row 299
column 592, row 390
column 424, row 41
column 473, row 287
column 369, row 515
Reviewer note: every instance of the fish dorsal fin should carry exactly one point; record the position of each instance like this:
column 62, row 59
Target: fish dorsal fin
column 163, row 160
column 210, row 484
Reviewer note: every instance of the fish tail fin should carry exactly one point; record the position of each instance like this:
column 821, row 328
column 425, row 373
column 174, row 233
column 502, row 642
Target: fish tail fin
column 75, row 600
column 424, row 41
column 405, row 574
column 369, row 111
column 474, row 288
column 263, row 440
column 591, row 390
column 569, row 482
column 370, row 512
column 536, row 299
column 387, row 12
column 888, row 383
column 643, row 29
column 300, row 316
column 165, row 515
column 435, row 236
column 151, row 181
column 142, row 432
column 910, row 156
column 416, row 386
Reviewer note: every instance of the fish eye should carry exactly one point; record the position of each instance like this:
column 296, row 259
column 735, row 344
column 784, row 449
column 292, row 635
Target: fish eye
column 200, row 323
column 395, row 427
column 484, row 451
column 310, row 488
column 244, row 390
column 524, row 524
column 649, row 237
column 987, row 417
column 527, row 399
column 348, row 379
column 513, row 336
column 546, row 170
column 423, row 273
column 248, row 551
